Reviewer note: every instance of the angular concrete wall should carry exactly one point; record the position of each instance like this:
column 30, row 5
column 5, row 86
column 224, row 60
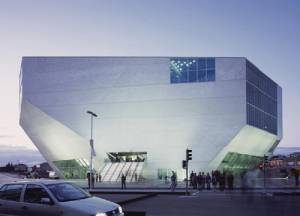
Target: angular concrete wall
column 139, row 109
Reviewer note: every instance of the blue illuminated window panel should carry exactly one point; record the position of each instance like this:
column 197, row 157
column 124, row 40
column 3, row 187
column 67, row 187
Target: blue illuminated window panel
column 184, row 70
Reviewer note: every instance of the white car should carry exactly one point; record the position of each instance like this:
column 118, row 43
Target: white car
column 55, row 198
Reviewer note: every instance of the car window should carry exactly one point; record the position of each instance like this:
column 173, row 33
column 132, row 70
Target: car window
column 35, row 193
column 2, row 187
column 11, row 192
column 66, row 192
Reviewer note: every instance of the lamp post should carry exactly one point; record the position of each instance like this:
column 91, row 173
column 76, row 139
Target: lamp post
column 92, row 146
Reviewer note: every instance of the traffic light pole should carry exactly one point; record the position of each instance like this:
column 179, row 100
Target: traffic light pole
column 264, row 172
column 187, row 178
column 188, row 156
column 91, row 145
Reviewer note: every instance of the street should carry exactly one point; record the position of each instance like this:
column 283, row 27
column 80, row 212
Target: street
column 215, row 204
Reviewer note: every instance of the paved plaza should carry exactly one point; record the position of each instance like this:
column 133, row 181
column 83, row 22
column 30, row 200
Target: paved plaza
column 214, row 204
column 157, row 199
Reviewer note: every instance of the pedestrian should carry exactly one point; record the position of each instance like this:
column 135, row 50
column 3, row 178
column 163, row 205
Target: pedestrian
column 208, row 181
column 199, row 181
column 123, row 180
column 203, row 180
column 230, row 180
column 244, row 183
column 166, row 179
column 100, row 177
column 135, row 177
column 88, row 176
column 173, row 181
column 214, row 180
column 191, row 178
column 295, row 172
column 96, row 175
column 194, row 181
column 93, row 179
column 222, row 181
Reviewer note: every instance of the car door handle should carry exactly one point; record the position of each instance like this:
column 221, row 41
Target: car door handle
column 24, row 208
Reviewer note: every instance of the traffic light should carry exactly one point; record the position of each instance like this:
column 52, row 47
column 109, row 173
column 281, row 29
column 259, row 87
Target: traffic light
column 188, row 154
column 184, row 165
column 265, row 159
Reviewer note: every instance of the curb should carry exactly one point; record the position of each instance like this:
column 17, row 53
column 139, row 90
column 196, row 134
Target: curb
column 286, row 194
column 156, row 192
column 137, row 199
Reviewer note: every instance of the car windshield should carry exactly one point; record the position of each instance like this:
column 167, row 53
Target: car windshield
column 67, row 192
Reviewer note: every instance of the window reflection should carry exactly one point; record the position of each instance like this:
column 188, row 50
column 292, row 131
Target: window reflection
column 192, row 69
column 261, row 94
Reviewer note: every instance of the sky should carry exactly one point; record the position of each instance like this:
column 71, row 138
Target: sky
column 266, row 32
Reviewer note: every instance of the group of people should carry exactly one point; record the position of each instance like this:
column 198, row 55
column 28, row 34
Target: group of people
column 96, row 177
column 198, row 181
column 216, row 179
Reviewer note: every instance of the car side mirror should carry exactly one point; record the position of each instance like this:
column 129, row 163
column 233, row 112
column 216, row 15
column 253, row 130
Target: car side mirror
column 46, row 200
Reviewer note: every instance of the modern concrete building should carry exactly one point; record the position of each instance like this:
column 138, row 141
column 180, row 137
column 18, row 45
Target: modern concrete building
column 150, row 110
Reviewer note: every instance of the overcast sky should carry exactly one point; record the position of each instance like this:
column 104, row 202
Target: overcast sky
column 266, row 32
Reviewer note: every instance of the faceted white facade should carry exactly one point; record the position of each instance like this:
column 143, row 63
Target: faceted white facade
column 139, row 110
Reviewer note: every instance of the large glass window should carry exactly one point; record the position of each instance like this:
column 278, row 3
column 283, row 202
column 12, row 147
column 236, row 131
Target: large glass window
column 193, row 76
column 73, row 169
column 210, row 74
column 260, row 119
column 184, row 70
column 261, row 97
column 164, row 173
column 11, row 192
column 210, row 63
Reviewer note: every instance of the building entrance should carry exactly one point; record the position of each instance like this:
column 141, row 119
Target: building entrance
column 117, row 164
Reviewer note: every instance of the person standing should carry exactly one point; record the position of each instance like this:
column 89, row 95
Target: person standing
column 93, row 179
column 194, row 181
column 203, row 180
column 96, row 175
column 173, row 181
column 88, row 176
column 135, row 177
column 244, row 183
column 218, row 174
column 199, row 181
column 123, row 180
column 208, row 181
column 230, row 180
column 222, row 181
column 214, row 180
column 166, row 179
column 191, row 178
column 295, row 172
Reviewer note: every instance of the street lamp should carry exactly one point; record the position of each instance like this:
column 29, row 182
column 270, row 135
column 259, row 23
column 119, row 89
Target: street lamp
column 92, row 146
